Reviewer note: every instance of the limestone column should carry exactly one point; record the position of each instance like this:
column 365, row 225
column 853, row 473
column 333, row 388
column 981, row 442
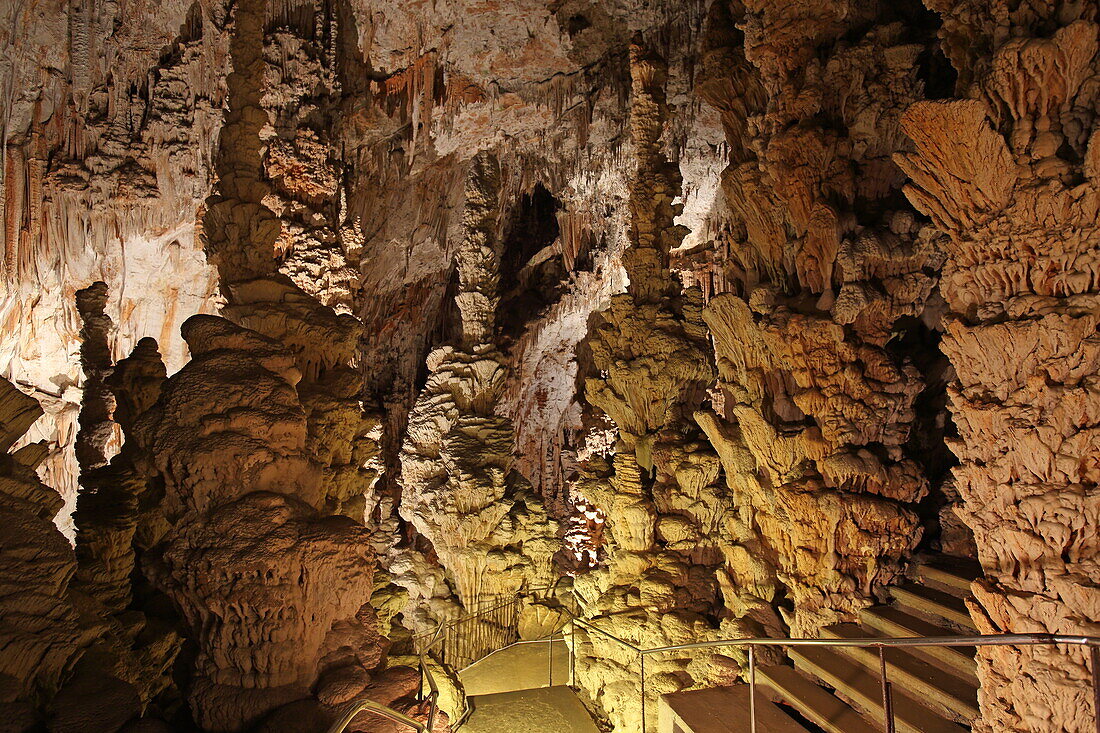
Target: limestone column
column 1010, row 173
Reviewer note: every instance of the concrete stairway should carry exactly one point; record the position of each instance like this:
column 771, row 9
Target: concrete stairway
column 933, row 689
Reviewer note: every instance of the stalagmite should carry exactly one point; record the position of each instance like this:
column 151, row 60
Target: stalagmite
column 327, row 326
column 650, row 351
column 489, row 530
column 40, row 630
column 1009, row 174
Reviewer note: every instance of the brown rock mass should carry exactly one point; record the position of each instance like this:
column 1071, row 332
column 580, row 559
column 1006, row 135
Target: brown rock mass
column 1009, row 175
column 323, row 324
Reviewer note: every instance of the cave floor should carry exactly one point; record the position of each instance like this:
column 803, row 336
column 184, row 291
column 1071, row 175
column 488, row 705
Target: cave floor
column 542, row 710
column 518, row 667
column 510, row 691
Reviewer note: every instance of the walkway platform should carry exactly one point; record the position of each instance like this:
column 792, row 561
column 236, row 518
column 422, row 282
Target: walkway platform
column 524, row 683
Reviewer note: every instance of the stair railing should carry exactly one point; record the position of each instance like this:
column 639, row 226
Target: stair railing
column 1092, row 643
column 881, row 644
column 477, row 635
column 364, row 704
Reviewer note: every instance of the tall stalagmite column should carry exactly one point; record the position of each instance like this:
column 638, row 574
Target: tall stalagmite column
column 1011, row 175
column 260, row 438
column 651, row 353
column 486, row 524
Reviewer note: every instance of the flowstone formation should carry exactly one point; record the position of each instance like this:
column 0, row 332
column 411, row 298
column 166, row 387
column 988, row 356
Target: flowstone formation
column 71, row 662
column 40, row 631
column 814, row 407
column 657, row 586
column 273, row 589
column 1011, row 174
column 118, row 517
column 263, row 448
column 758, row 298
column 489, row 530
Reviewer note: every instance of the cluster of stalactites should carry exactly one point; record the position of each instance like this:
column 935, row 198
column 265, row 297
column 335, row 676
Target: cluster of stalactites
column 1011, row 176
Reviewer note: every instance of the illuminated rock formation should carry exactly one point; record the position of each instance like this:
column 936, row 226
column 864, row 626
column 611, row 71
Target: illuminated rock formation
column 262, row 443
column 814, row 408
column 40, row 630
column 649, row 349
column 118, row 517
column 249, row 559
column 1011, row 176
column 488, row 528
column 69, row 660
column 719, row 286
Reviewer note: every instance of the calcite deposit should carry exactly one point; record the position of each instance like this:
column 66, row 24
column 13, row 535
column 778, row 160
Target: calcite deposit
column 1009, row 173
column 488, row 528
column 328, row 323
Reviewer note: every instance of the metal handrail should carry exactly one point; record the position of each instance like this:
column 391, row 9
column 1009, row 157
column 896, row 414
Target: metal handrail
column 880, row 643
column 360, row 705
column 903, row 641
column 1092, row 642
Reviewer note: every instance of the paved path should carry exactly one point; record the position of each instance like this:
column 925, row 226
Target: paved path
column 509, row 692
column 545, row 710
column 518, row 667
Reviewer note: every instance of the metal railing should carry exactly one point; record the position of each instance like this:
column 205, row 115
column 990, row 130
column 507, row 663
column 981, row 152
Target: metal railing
column 471, row 638
column 361, row 705
column 475, row 636
column 378, row 709
column 881, row 644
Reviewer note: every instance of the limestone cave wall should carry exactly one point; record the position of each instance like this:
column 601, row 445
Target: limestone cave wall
column 326, row 322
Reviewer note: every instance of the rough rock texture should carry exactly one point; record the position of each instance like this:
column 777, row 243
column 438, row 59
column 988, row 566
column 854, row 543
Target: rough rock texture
column 40, row 632
column 643, row 268
column 1011, row 174
column 260, row 440
column 110, row 116
column 249, row 559
column 69, row 661
column 815, row 408
column 487, row 527
column 649, row 349
column 118, row 517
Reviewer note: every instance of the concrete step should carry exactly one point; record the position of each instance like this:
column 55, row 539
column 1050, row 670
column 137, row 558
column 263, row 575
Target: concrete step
column 951, row 574
column 854, row 682
column 934, row 604
column 812, row 701
column 952, row 697
column 722, row 710
column 894, row 622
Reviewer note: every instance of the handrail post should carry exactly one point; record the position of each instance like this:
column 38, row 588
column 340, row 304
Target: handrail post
column 752, row 688
column 573, row 656
column 887, row 703
column 1094, row 652
column 550, row 663
column 420, row 688
column 641, row 657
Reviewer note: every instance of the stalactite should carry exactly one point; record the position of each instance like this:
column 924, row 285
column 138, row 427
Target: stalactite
column 1010, row 176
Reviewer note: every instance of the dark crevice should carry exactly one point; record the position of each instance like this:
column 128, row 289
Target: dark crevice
column 532, row 277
